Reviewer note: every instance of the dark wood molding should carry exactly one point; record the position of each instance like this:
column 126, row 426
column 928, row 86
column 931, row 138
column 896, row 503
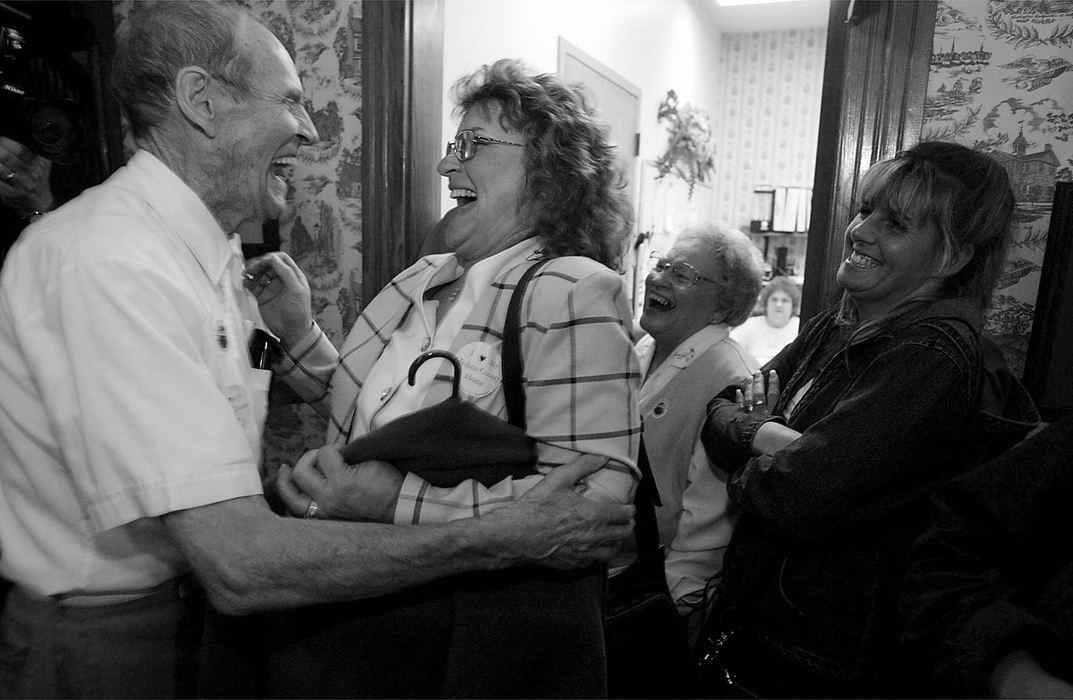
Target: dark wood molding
column 1048, row 373
column 874, row 84
column 402, row 87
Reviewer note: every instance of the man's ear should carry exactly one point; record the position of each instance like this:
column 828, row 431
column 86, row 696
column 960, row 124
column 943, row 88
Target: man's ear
column 959, row 259
column 195, row 98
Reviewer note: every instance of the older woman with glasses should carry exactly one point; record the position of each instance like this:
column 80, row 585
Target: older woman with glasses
column 696, row 292
column 534, row 179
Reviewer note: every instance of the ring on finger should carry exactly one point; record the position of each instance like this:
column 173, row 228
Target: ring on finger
column 10, row 176
column 311, row 511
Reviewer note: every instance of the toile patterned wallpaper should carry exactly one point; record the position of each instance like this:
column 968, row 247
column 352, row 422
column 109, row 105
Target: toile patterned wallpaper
column 770, row 119
column 322, row 228
column 1001, row 81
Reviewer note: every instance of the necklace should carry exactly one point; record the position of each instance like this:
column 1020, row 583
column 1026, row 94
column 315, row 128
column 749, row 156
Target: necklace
column 450, row 291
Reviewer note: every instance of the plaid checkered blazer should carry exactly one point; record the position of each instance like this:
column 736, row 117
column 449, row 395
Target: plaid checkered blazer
column 581, row 375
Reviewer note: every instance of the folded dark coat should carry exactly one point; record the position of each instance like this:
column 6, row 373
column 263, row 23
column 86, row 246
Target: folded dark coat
column 448, row 443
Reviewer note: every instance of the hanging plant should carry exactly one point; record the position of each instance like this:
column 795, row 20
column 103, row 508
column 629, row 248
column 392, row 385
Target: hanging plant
column 690, row 149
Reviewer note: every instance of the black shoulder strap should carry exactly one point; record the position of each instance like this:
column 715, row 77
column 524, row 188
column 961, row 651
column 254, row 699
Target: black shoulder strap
column 513, row 393
column 645, row 530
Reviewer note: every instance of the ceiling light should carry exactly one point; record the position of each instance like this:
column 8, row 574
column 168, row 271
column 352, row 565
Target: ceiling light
column 740, row 3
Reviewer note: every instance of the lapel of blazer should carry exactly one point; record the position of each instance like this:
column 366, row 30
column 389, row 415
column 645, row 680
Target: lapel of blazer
column 371, row 333
column 483, row 324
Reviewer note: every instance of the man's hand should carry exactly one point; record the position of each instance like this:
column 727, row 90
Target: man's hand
column 554, row 526
column 366, row 492
column 283, row 295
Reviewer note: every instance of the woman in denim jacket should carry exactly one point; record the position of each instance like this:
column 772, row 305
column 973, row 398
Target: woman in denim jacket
column 881, row 400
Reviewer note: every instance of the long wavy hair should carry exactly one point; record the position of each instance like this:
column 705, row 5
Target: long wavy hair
column 574, row 190
column 965, row 194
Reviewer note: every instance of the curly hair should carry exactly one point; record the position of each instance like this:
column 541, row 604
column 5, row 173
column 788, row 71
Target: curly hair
column 157, row 39
column 740, row 272
column 572, row 181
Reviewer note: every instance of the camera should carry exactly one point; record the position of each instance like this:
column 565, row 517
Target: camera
column 34, row 109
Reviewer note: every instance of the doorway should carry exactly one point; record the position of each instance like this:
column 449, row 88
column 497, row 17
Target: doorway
column 619, row 103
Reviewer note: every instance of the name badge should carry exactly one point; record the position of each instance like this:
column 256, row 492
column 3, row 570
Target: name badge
column 482, row 371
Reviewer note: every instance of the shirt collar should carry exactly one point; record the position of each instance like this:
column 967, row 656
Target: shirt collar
column 688, row 350
column 483, row 272
column 182, row 211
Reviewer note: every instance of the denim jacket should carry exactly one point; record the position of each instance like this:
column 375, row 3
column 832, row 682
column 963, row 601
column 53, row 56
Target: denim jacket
column 815, row 565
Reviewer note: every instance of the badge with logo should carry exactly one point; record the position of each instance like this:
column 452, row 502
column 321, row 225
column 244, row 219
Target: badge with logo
column 481, row 369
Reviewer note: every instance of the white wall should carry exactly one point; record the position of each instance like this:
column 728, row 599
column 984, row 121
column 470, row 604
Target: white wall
column 658, row 45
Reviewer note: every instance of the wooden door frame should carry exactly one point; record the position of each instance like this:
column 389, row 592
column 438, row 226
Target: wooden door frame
column 874, row 85
column 402, row 95
column 872, row 106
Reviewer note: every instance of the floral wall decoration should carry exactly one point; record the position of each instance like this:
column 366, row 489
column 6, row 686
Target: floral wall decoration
column 321, row 229
column 1001, row 82
column 690, row 148
column 768, row 124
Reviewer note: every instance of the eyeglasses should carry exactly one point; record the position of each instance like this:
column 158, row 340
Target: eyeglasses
column 465, row 144
column 682, row 273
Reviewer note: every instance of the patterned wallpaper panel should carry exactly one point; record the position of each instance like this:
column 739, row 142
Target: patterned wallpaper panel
column 769, row 120
column 322, row 228
column 1001, row 82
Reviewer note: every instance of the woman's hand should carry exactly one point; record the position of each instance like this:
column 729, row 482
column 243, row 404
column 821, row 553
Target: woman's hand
column 368, row 491
column 283, row 295
column 755, row 398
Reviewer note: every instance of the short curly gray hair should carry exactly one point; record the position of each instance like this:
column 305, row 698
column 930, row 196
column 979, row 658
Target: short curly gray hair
column 740, row 271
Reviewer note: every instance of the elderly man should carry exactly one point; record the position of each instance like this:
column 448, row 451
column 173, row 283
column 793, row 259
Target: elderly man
column 129, row 414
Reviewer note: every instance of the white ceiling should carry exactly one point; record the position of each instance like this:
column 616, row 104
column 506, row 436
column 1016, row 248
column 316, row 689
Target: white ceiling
column 769, row 16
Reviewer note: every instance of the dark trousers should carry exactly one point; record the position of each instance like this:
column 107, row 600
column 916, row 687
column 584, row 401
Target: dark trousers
column 145, row 648
column 526, row 632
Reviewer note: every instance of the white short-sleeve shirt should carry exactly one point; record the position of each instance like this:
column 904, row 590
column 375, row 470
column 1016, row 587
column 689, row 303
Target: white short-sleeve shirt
column 125, row 386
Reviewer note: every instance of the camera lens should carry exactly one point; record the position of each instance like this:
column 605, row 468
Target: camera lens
column 53, row 132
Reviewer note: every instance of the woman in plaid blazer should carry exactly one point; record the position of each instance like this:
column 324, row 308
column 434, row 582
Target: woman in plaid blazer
column 535, row 179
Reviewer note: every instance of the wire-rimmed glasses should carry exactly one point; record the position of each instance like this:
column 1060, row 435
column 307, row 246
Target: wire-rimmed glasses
column 682, row 273
column 465, row 144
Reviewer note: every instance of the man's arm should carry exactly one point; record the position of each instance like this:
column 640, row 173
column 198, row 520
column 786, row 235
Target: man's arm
column 249, row 559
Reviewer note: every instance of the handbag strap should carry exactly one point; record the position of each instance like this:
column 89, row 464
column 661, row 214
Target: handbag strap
column 513, row 393
column 646, row 532
column 645, row 529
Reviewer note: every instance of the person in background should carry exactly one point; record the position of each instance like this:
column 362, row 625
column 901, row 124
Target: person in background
column 694, row 296
column 765, row 335
column 128, row 439
column 988, row 600
column 534, row 177
column 833, row 458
